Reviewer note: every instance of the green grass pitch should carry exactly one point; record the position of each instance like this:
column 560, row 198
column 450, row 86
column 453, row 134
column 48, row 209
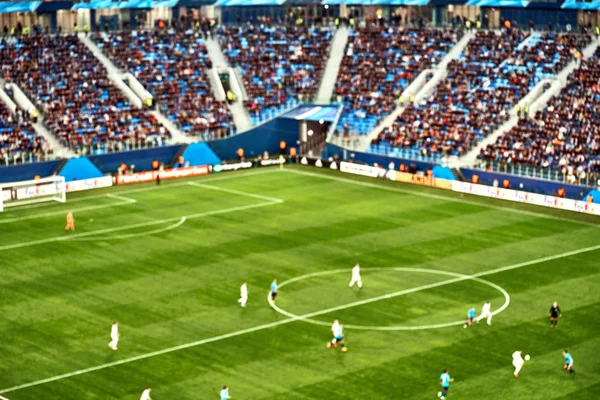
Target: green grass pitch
column 173, row 285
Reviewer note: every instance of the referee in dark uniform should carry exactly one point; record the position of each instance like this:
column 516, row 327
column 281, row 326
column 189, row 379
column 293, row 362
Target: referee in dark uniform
column 554, row 314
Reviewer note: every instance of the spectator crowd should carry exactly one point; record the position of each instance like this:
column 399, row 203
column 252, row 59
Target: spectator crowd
column 172, row 65
column 379, row 64
column 278, row 62
column 72, row 89
column 18, row 141
column 565, row 135
column 493, row 73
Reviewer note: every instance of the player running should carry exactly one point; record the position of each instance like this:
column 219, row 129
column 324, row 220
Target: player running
column 470, row 317
column 555, row 314
column 273, row 291
column 517, row 362
column 243, row 294
column 224, row 394
column 338, row 336
column 486, row 313
column 445, row 380
column 146, row 394
column 568, row 361
column 70, row 222
column 114, row 335
column 356, row 277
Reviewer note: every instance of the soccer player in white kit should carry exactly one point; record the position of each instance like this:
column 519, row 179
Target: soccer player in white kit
column 243, row 294
column 224, row 393
column 517, row 362
column 114, row 335
column 335, row 326
column 486, row 312
column 356, row 277
column 146, row 394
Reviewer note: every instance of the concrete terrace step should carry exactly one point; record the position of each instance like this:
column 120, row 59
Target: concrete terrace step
column 22, row 101
column 332, row 69
column 240, row 115
column 421, row 87
column 135, row 92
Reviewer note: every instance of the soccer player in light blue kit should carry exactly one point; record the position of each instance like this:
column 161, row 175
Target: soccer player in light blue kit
column 445, row 381
column 225, row 393
column 273, row 290
column 470, row 316
column 568, row 362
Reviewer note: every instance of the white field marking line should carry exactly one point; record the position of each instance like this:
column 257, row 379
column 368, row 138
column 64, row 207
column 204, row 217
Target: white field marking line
column 124, row 201
column 457, row 278
column 40, row 205
column 119, row 197
column 440, row 197
column 3, row 398
column 204, row 178
column 271, row 202
column 127, row 227
column 132, row 235
column 262, row 327
column 233, row 191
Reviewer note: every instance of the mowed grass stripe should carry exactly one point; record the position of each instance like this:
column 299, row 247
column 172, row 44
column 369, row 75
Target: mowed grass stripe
column 427, row 192
column 234, row 334
column 75, row 278
column 288, row 349
column 324, row 230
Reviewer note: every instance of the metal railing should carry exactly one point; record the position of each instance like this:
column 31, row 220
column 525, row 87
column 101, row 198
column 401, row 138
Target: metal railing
column 547, row 174
column 410, row 154
column 116, row 147
column 274, row 112
column 26, row 157
column 355, row 143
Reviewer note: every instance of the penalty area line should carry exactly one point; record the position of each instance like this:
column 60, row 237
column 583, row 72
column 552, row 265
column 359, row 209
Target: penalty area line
column 123, row 202
column 268, row 325
column 132, row 235
column 178, row 220
column 67, row 238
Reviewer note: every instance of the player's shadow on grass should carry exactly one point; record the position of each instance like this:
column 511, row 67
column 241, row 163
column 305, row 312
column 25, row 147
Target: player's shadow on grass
column 359, row 293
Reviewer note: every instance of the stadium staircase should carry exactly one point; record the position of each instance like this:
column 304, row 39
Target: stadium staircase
column 332, row 69
column 135, row 92
column 458, row 174
column 176, row 156
column 420, row 88
column 114, row 74
column 441, row 71
column 536, row 99
column 22, row 101
column 240, row 115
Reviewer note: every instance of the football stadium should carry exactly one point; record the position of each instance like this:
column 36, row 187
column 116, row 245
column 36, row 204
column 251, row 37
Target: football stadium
column 299, row 199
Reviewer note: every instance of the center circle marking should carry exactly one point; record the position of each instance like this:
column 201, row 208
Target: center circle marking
column 457, row 278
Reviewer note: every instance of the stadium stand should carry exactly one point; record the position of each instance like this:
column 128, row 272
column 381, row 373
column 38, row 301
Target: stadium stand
column 18, row 141
column 565, row 135
column 79, row 103
column 487, row 80
column 380, row 62
column 172, row 65
column 280, row 64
